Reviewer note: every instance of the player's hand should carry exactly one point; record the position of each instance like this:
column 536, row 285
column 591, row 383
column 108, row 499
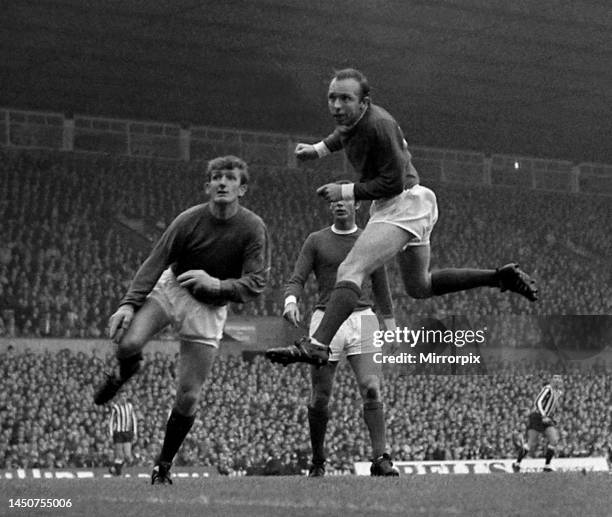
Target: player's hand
column 330, row 192
column 292, row 314
column 305, row 152
column 119, row 322
column 198, row 280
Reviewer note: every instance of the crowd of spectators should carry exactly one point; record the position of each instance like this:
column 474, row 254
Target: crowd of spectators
column 253, row 414
column 75, row 227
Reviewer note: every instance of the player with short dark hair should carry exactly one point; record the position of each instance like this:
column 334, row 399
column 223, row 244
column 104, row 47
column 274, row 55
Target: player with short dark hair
column 402, row 215
column 123, row 430
column 541, row 423
column 212, row 254
column 322, row 253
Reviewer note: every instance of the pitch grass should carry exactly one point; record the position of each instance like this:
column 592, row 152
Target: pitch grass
column 524, row 495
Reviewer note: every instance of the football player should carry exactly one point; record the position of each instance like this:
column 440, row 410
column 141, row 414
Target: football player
column 322, row 253
column 402, row 215
column 211, row 254
column 541, row 423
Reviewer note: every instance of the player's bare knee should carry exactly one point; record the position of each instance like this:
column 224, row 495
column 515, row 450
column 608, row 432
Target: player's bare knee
column 370, row 389
column 319, row 404
column 419, row 290
column 351, row 272
column 187, row 401
column 129, row 346
column 319, row 399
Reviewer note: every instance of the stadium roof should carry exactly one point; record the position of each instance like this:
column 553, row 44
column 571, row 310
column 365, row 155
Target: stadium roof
column 524, row 77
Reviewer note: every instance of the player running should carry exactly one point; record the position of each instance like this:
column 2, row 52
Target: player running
column 211, row 254
column 541, row 422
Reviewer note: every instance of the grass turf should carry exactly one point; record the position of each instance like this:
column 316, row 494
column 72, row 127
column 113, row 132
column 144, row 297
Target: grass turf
column 541, row 495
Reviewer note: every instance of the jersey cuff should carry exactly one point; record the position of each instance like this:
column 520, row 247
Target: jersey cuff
column 290, row 299
column 348, row 191
column 321, row 149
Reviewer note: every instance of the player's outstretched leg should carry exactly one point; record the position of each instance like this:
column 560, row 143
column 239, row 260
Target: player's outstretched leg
column 419, row 282
column 306, row 350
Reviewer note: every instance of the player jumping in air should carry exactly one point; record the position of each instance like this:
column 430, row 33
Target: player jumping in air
column 402, row 216
column 211, row 254
column 322, row 252
column 541, row 422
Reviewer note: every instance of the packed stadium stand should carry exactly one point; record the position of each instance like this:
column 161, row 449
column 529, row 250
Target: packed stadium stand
column 247, row 419
column 77, row 226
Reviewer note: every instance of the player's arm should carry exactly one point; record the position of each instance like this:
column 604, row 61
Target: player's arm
column 255, row 270
column 161, row 256
column 295, row 285
column 382, row 297
column 134, row 422
column 328, row 145
column 391, row 163
column 111, row 423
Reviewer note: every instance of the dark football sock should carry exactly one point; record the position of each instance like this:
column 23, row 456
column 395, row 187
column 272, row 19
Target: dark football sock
column 550, row 452
column 342, row 302
column 374, row 416
column 522, row 453
column 445, row 281
column 128, row 366
column 317, row 421
column 176, row 430
column 118, row 466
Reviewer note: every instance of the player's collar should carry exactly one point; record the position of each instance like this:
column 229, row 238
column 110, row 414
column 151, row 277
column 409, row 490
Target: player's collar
column 343, row 232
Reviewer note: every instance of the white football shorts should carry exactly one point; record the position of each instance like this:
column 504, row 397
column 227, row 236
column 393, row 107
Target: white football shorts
column 192, row 320
column 415, row 210
column 355, row 336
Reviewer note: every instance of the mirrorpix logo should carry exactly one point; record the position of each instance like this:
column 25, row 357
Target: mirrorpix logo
column 436, row 340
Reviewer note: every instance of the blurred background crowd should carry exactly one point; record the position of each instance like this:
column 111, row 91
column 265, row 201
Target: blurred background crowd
column 252, row 415
column 76, row 227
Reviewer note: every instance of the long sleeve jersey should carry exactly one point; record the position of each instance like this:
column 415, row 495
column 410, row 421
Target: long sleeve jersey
column 234, row 250
column 322, row 252
column 376, row 148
